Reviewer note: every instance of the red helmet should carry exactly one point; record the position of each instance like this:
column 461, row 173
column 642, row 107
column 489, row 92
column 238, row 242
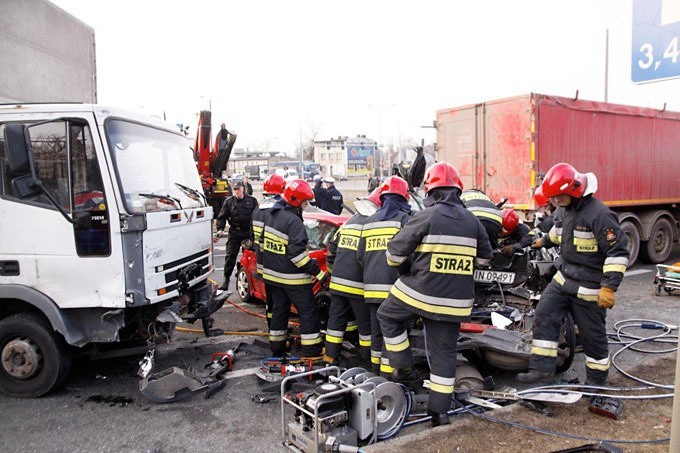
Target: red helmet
column 442, row 174
column 296, row 192
column 563, row 179
column 375, row 196
column 394, row 184
column 510, row 220
column 274, row 184
column 540, row 199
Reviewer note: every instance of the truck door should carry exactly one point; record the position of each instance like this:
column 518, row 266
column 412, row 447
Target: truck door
column 69, row 262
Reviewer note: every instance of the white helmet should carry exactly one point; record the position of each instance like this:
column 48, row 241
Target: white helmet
column 317, row 177
column 329, row 179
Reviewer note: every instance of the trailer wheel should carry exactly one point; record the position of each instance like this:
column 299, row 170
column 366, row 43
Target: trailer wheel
column 243, row 286
column 567, row 345
column 34, row 359
column 633, row 235
column 660, row 244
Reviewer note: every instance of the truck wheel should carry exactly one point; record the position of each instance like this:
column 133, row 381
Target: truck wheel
column 633, row 235
column 567, row 345
column 34, row 359
column 660, row 244
column 243, row 286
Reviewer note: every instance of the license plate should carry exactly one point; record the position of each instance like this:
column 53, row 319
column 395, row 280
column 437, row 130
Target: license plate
column 494, row 276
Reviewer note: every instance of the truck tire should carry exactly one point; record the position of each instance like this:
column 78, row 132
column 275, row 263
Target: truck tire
column 660, row 244
column 33, row 358
column 633, row 235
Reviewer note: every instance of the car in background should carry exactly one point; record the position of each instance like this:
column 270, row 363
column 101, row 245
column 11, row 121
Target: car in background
column 320, row 226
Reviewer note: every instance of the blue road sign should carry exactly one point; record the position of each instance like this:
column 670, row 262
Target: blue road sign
column 656, row 40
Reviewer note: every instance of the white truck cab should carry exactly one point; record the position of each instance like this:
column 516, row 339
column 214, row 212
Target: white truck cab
column 105, row 237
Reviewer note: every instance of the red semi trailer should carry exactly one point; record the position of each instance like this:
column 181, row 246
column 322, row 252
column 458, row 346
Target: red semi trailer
column 504, row 147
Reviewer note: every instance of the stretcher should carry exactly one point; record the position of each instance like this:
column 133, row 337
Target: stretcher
column 667, row 278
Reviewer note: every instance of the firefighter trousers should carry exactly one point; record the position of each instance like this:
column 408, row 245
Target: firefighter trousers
column 342, row 310
column 379, row 361
column 441, row 338
column 556, row 302
column 302, row 298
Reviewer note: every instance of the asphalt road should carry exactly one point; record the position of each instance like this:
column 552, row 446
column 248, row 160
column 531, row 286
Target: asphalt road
column 101, row 409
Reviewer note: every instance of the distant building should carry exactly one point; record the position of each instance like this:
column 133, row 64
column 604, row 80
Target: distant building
column 346, row 156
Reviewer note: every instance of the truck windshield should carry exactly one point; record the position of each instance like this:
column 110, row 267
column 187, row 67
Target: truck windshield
column 156, row 167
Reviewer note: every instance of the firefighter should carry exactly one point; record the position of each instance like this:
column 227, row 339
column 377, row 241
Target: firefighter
column 238, row 211
column 545, row 209
column 514, row 235
column 379, row 277
column 290, row 272
column 593, row 258
column 333, row 197
column 320, row 193
column 273, row 188
column 347, row 287
column 486, row 211
column 440, row 246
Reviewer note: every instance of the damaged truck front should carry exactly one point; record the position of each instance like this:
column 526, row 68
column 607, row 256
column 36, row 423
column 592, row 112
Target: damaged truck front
column 105, row 239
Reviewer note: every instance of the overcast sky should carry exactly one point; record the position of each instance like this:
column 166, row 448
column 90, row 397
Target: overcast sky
column 274, row 70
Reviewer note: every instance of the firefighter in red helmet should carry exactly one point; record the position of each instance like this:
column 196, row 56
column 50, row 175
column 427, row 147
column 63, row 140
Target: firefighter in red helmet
column 515, row 235
column 436, row 251
column 273, row 188
column 593, row 258
column 289, row 271
column 378, row 276
column 347, row 283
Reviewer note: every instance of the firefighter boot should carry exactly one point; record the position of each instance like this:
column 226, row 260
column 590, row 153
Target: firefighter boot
column 438, row 419
column 408, row 377
column 533, row 376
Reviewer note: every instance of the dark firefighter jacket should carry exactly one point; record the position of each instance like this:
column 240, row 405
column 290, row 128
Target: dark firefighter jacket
column 259, row 217
column 522, row 236
column 593, row 249
column 239, row 214
column 486, row 211
column 285, row 260
column 443, row 241
column 347, row 275
column 376, row 234
column 334, row 201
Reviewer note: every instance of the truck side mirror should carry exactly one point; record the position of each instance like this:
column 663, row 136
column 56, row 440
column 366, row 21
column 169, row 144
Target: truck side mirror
column 26, row 186
column 17, row 148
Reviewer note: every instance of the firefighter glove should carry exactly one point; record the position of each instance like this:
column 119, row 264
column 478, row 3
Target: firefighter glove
column 605, row 299
column 323, row 278
column 509, row 250
column 538, row 243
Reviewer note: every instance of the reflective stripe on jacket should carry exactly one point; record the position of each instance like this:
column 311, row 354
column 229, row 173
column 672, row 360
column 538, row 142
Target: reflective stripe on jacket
column 378, row 276
column 593, row 248
column 443, row 250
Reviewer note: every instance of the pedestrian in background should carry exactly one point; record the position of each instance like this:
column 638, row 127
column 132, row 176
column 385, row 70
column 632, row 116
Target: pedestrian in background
column 334, row 199
column 248, row 187
column 237, row 210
